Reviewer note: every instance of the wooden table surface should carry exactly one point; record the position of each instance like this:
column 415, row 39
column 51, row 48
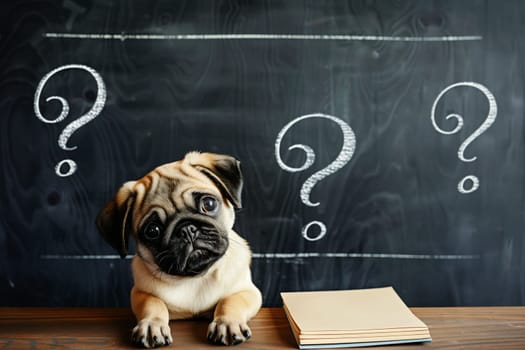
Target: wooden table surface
column 76, row 328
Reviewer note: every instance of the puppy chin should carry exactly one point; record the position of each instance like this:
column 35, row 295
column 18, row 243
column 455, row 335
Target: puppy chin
column 168, row 272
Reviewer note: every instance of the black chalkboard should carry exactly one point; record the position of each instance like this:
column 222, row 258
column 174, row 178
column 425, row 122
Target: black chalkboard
column 367, row 86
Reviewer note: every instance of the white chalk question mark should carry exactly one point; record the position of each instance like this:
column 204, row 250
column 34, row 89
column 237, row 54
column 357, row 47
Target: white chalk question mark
column 349, row 143
column 491, row 117
column 78, row 123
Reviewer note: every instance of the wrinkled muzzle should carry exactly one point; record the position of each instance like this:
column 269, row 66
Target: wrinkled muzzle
column 192, row 249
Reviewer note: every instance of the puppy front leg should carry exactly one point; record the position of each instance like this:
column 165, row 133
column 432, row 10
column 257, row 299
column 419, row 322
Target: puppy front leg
column 152, row 315
column 230, row 319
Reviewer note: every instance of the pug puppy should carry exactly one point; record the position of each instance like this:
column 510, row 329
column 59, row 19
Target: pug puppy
column 189, row 262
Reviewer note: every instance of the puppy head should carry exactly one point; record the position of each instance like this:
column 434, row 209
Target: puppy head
column 179, row 214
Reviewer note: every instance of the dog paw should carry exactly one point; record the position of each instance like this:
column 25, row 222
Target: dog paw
column 228, row 332
column 151, row 333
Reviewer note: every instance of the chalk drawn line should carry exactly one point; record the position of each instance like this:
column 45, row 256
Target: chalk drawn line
column 125, row 36
column 293, row 256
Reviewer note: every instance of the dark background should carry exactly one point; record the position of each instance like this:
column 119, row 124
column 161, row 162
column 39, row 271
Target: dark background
column 393, row 214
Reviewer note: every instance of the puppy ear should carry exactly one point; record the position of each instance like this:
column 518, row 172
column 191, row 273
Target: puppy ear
column 223, row 170
column 114, row 219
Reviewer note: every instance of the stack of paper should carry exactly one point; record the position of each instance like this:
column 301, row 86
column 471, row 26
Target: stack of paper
column 352, row 318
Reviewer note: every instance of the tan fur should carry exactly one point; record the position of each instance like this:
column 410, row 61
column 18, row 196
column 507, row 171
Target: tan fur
column 225, row 291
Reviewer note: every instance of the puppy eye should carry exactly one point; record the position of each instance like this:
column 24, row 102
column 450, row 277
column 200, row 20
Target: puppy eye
column 152, row 231
column 208, row 205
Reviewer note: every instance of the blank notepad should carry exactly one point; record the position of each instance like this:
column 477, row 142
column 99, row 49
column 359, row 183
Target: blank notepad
column 352, row 318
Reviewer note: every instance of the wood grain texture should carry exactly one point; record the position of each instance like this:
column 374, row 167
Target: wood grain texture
column 54, row 328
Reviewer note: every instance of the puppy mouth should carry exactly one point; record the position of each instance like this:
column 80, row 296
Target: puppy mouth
column 193, row 248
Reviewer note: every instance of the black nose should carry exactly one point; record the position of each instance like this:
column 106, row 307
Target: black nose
column 188, row 232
